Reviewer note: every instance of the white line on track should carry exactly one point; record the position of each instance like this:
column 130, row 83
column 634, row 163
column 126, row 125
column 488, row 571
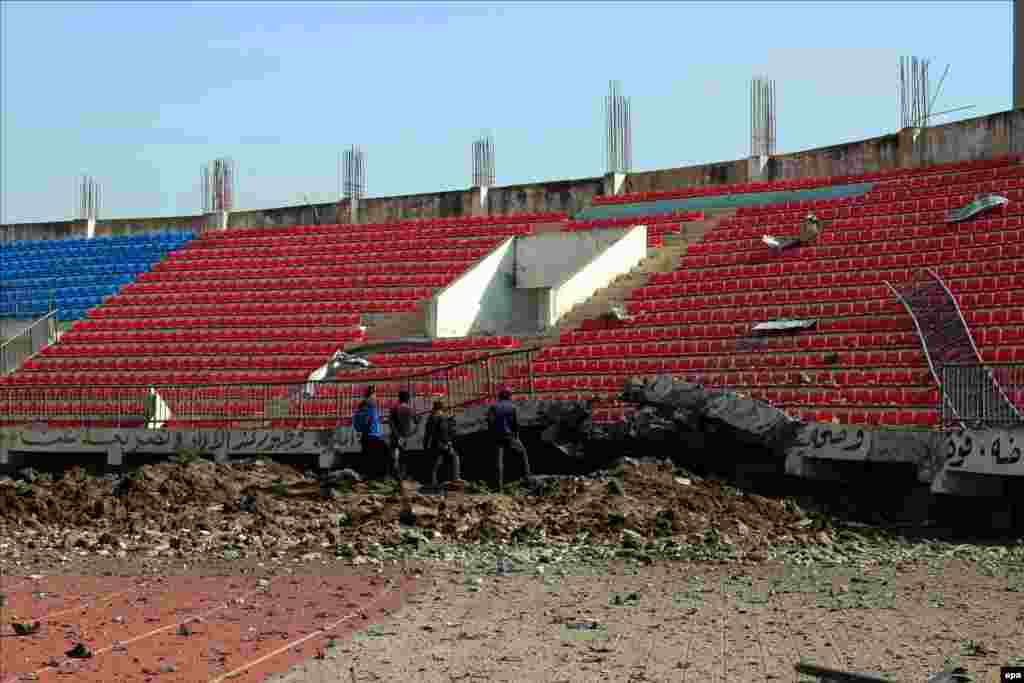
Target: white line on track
column 303, row 639
column 122, row 643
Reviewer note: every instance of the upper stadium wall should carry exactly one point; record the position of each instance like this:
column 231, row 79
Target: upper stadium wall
column 970, row 139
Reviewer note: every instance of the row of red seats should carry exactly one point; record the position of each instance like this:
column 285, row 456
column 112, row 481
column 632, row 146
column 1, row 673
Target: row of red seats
column 802, row 184
column 999, row 275
column 218, row 362
column 250, row 278
column 746, row 307
column 768, row 266
column 356, row 298
column 593, row 331
column 866, row 243
column 667, row 343
column 739, row 361
column 271, row 297
column 934, row 210
column 292, row 248
column 148, row 379
column 815, row 289
column 293, row 287
column 892, row 204
column 258, row 264
column 894, row 377
column 320, row 349
column 199, row 256
column 650, row 220
column 249, row 321
column 393, row 225
column 99, row 332
column 766, row 276
column 326, row 241
column 818, row 342
column 207, row 392
column 853, row 229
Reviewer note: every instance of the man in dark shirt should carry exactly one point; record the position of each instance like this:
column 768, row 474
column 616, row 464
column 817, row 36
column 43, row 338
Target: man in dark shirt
column 402, row 423
column 503, row 420
column 440, row 440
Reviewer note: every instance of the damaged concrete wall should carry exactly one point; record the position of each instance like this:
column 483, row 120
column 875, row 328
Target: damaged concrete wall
column 484, row 299
column 978, row 138
column 547, row 260
column 618, row 258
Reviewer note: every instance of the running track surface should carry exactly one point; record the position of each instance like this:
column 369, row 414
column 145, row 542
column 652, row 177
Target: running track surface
column 243, row 629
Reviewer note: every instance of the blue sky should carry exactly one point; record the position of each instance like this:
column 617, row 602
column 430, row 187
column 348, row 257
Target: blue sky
column 141, row 94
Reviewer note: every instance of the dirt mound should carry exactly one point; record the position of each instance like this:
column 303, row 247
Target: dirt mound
column 261, row 507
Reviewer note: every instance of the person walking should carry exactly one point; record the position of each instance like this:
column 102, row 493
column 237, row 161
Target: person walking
column 439, row 439
column 503, row 422
column 402, row 424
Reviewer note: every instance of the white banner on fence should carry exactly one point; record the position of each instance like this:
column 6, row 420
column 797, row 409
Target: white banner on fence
column 985, row 451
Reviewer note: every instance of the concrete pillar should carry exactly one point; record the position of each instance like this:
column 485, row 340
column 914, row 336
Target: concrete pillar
column 1018, row 54
column 224, row 220
column 613, row 184
column 90, row 228
column 221, row 456
column 480, row 206
column 115, row 456
column 353, row 215
column 756, row 166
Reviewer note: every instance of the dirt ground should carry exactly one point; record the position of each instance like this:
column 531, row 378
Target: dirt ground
column 643, row 573
column 688, row 622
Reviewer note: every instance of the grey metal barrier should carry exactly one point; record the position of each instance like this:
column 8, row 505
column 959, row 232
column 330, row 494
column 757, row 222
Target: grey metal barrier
column 28, row 342
column 307, row 405
column 969, row 388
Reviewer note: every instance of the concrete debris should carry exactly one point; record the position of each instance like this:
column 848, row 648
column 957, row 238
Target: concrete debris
column 269, row 511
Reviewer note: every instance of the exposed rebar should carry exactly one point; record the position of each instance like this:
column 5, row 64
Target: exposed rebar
column 762, row 116
column 354, row 173
column 618, row 130
column 88, row 198
column 483, row 161
column 218, row 185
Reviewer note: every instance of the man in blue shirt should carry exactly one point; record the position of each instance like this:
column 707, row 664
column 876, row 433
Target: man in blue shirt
column 366, row 422
column 503, row 420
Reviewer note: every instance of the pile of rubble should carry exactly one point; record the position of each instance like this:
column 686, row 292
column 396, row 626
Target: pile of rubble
column 262, row 509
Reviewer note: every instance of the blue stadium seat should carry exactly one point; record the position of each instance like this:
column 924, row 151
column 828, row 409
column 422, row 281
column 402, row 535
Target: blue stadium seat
column 75, row 275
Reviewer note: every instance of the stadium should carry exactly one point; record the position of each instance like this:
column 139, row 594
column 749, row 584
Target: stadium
column 851, row 316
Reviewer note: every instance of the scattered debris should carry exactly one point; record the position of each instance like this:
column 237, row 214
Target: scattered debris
column 26, row 629
column 79, row 651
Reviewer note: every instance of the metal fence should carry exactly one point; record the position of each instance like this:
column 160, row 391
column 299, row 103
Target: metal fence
column 982, row 394
column 308, row 405
column 29, row 341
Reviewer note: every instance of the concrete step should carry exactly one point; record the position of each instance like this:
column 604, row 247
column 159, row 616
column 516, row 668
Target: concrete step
column 660, row 260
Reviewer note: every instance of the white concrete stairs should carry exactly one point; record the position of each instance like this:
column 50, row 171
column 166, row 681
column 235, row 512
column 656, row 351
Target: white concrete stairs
column 659, row 260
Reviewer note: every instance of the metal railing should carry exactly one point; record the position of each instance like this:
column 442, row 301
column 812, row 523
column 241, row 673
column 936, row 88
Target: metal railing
column 308, row 405
column 969, row 388
column 947, row 341
column 22, row 346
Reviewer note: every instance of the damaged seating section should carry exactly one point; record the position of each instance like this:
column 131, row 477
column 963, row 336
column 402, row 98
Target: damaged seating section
column 658, row 226
column 920, row 175
column 73, row 276
column 863, row 362
column 262, row 306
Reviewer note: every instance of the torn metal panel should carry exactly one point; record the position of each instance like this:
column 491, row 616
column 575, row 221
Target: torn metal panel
column 785, row 325
column 981, row 204
column 781, row 243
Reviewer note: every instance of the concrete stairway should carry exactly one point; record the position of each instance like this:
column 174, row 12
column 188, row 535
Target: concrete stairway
column 659, row 260
column 390, row 326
